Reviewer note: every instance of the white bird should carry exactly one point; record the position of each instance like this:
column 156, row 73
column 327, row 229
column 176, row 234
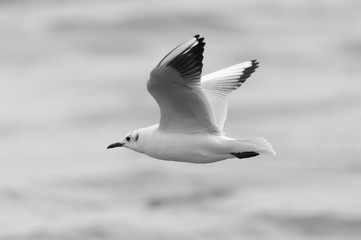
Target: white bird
column 193, row 110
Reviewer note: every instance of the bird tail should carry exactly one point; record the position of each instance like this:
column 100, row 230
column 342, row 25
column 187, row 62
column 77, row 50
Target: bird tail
column 259, row 145
column 250, row 147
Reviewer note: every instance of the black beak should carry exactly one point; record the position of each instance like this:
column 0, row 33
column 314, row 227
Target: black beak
column 117, row 144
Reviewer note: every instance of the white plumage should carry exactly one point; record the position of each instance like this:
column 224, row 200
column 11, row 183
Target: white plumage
column 218, row 85
column 193, row 110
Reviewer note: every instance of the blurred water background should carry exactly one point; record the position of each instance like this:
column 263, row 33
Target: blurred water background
column 73, row 77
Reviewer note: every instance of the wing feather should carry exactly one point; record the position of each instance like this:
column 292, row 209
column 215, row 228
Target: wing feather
column 218, row 85
column 175, row 85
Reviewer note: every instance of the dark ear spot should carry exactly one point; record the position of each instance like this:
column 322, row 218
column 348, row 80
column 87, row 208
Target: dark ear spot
column 137, row 137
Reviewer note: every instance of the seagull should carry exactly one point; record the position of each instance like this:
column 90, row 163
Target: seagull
column 193, row 110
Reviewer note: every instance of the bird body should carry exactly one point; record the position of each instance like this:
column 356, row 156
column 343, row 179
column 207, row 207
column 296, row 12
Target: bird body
column 193, row 110
column 194, row 147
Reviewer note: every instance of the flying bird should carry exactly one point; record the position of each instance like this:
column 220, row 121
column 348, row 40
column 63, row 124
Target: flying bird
column 193, row 110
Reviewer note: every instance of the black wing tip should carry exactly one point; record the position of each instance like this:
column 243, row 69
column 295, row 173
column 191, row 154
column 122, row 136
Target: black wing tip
column 254, row 65
column 248, row 71
column 199, row 39
column 189, row 62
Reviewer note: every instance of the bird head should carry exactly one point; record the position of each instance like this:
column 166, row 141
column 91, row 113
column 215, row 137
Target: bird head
column 130, row 141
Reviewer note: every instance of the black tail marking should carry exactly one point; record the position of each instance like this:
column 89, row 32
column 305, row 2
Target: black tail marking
column 245, row 154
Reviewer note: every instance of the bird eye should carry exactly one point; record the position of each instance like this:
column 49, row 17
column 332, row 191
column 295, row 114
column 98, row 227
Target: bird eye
column 127, row 138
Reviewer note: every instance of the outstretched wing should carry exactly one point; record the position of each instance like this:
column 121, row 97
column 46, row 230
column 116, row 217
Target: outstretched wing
column 218, row 85
column 175, row 85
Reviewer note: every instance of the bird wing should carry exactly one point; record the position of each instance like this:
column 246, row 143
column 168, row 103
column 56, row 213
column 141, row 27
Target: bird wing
column 175, row 85
column 218, row 85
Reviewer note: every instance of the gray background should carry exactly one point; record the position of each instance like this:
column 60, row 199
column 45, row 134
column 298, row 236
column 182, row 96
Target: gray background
column 73, row 77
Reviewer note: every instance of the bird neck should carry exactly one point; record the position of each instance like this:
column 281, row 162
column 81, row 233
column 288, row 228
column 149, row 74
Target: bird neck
column 147, row 136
